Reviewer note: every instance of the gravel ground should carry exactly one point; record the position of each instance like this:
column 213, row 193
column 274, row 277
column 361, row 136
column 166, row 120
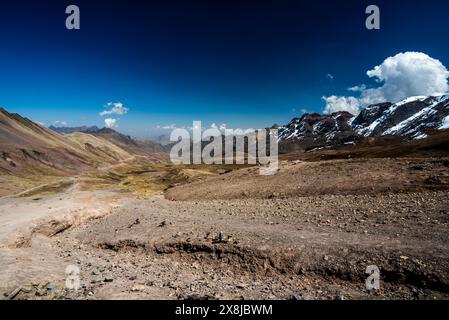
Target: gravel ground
column 279, row 247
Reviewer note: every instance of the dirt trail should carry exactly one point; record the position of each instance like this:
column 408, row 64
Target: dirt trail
column 116, row 165
column 38, row 188
column 20, row 212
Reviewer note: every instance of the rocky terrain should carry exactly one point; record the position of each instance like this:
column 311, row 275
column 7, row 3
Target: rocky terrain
column 243, row 244
column 337, row 177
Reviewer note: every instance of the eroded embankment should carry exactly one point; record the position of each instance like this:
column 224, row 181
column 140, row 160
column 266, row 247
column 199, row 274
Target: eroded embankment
column 347, row 265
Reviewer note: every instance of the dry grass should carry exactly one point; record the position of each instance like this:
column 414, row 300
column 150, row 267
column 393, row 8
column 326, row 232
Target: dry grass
column 140, row 176
column 100, row 148
column 143, row 177
column 11, row 185
column 91, row 184
column 46, row 189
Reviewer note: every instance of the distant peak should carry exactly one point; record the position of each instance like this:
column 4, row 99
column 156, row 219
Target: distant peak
column 106, row 130
column 83, row 129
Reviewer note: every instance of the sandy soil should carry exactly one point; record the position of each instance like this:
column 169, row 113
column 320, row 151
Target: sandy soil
column 27, row 225
column 237, row 240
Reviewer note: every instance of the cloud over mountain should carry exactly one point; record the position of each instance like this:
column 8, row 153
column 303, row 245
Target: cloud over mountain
column 110, row 122
column 115, row 108
column 403, row 75
column 335, row 104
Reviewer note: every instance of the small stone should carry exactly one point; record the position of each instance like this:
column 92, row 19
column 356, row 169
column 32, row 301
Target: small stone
column 296, row 296
column 195, row 296
column 13, row 294
column 50, row 288
column 220, row 238
column 138, row 288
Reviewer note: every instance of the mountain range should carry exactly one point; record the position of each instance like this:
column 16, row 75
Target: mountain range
column 409, row 119
column 29, row 147
column 134, row 146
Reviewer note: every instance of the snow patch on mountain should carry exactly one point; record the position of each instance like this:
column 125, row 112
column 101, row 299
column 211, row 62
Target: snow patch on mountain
column 445, row 123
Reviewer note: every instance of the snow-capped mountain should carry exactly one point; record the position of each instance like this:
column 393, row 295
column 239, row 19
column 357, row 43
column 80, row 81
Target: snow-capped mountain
column 409, row 118
column 319, row 130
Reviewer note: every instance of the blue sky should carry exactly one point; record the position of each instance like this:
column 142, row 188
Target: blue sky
column 243, row 63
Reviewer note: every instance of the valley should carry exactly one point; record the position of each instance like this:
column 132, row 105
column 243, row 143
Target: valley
column 137, row 226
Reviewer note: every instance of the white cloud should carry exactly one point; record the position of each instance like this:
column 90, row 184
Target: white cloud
column 110, row 122
column 59, row 123
column 401, row 76
column 334, row 104
column 222, row 126
column 115, row 108
column 359, row 88
column 409, row 74
column 330, row 76
column 168, row 127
